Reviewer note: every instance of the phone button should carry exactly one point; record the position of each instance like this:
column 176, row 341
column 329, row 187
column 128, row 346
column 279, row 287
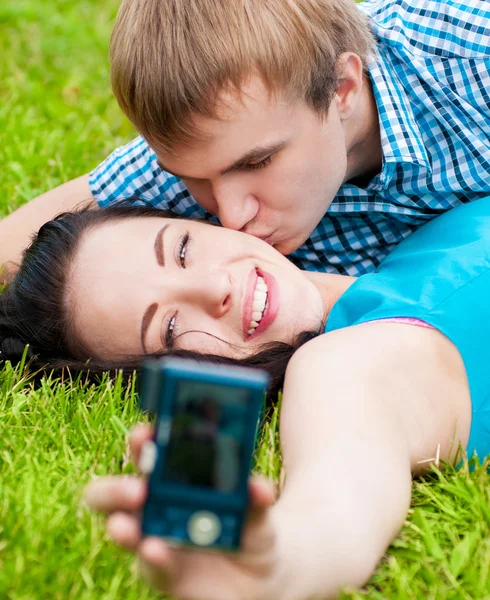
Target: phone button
column 204, row 528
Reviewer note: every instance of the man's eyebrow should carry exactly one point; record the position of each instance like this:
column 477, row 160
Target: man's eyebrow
column 159, row 251
column 255, row 155
column 146, row 322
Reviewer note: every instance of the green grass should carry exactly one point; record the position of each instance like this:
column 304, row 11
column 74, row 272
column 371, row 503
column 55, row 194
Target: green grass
column 57, row 116
column 54, row 438
column 57, row 121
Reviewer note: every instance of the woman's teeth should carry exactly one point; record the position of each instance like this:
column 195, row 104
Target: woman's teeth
column 259, row 306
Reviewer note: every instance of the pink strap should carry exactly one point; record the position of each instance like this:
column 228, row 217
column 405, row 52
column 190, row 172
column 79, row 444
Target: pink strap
column 407, row 321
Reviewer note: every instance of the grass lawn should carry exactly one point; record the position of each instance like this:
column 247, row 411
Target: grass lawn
column 58, row 120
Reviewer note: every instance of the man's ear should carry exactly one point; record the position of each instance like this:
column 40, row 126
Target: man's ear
column 350, row 75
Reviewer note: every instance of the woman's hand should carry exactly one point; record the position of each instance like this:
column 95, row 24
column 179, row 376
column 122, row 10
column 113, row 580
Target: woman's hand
column 191, row 574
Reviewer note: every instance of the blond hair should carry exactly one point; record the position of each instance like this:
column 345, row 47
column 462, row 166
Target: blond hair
column 172, row 58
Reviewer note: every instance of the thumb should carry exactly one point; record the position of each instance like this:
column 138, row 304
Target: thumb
column 258, row 535
column 262, row 493
column 138, row 436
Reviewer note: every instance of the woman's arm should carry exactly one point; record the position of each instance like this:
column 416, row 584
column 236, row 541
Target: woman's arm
column 361, row 408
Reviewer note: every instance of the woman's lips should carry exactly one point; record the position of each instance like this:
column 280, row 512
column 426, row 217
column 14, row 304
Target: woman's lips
column 272, row 303
column 248, row 301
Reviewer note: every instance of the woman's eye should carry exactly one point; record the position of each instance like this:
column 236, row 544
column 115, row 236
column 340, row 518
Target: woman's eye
column 170, row 331
column 259, row 165
column 184, row 245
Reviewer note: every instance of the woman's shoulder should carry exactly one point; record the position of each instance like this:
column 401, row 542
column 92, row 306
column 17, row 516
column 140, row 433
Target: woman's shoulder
column 372, row 346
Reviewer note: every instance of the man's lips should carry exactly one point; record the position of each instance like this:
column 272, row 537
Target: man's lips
column 268, row 238
column 272, row 303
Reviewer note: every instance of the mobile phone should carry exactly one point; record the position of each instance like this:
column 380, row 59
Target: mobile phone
column 199, row 462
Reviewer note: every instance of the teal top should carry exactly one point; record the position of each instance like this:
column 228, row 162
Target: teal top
column 440, row 275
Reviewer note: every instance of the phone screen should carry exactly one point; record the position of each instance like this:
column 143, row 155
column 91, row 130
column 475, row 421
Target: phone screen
column 207, row 436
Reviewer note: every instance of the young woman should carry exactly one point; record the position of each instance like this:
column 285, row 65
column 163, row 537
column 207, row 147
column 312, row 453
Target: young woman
column 398, row 378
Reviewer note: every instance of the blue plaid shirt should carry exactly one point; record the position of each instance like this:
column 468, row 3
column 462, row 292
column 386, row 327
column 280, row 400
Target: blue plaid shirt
column 431, row 81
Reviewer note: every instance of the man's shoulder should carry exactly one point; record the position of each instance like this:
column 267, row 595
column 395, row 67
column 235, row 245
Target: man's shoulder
column 432, row 27
column 132, row 173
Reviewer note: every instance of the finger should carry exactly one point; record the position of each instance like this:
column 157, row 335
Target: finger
column 156, row 552
column 258, row 535
column 117, row 493
column 262, row 493
column 124, row 530
column 157, row 563
column 141, row 433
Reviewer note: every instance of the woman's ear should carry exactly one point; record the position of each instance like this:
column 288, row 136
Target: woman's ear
column 350, row 75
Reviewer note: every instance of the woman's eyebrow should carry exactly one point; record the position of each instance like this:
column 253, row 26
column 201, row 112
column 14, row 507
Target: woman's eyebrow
column 146, row 321
column 160, row 254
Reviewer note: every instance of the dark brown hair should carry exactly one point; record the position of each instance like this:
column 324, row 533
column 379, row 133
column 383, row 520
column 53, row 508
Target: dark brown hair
column 33, row 311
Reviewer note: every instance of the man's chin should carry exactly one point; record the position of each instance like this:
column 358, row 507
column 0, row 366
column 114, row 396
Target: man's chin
column 290, row 245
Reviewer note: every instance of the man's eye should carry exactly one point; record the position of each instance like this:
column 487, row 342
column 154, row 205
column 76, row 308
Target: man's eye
column 183, row 247
column 260, row 165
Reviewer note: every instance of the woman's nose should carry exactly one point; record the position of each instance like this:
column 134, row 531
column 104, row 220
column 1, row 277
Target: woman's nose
column 211, row 290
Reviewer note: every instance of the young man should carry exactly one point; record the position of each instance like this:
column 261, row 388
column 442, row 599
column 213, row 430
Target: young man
column 331, row 130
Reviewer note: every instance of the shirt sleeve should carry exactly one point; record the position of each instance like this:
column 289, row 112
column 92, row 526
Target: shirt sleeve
column 442, row 28
column 131, row 173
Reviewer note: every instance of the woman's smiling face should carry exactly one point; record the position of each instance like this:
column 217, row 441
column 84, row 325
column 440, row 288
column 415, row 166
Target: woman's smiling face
column 148, row 284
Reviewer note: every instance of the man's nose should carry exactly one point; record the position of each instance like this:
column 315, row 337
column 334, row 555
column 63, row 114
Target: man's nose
column 210, row 290
column 236, row 205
